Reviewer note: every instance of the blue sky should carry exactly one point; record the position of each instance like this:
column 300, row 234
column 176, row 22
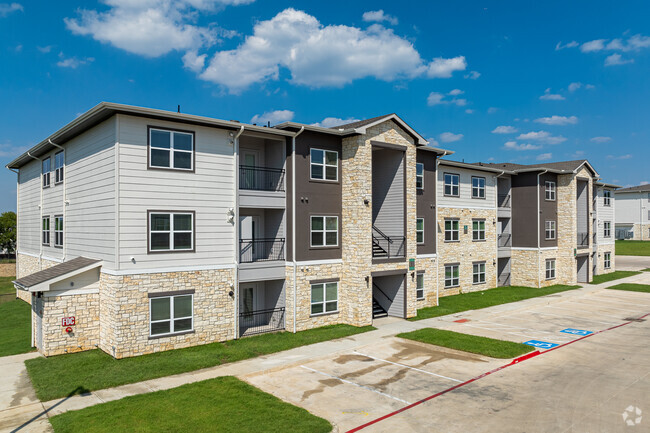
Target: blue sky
column 493, row 80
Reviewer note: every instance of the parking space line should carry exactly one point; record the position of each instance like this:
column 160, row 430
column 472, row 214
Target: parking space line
column 573, row 318
column 617, row 302
column 505, row 332
column 599, row 313
column 524, row 328
column 607, row 307
column 355, row 384
column 408, row 366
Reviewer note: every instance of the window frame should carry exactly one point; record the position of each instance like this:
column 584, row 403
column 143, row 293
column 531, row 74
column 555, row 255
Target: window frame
column 419, row 177
column 46, row 176
column 457, row 279
column 58, row 232
column 58, row 170
column 45, row 232
column 324, row 165
column 324, row 302
column 607, row 197
column 552, row 230
column 480, row 273
column 452, row 231
column 607, row 260
column 324, row 231
column 171, row 149
column 451, row 185
column 474, row 232
column 171, row 231
column 418, row 232
column 607, row 229
column 553, row 190
column 419, row 286
column 551, row 269
column 479, row 188
column 172, row 318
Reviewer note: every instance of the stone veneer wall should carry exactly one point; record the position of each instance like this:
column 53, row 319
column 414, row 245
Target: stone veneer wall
column 27, row 265
column 429, row 266
column 600, row 258
column 524, row 268
column 466, row 251
column 641, row 232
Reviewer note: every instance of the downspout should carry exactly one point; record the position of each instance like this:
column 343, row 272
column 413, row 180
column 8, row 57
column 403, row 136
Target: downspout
column 65, row 201
column 293, row 221
column 236, row 224
column 496, row 211
column 539, row 240
column 40, row 207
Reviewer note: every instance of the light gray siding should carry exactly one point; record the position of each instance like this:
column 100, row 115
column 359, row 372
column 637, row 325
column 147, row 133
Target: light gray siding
column 465, row 200
column 388, row 191
column 29, row 215
column 393, row 287
column 605, row 213
column 582, row 207
column 632, row 208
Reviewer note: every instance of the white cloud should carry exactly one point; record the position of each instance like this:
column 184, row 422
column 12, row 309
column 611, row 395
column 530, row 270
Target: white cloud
column 504, row 130
column 574, row 86
column 595, row 45
column 543, row 137
column 433, row 142
column 469, row 111
column 379, row 17
column 7, row 8
column 600, row 139
column 473, row 75
column 617, row 59
column 492, row 110
column 275, row 117
column 436, row 98
column 513, row 145
column 456, row 92
column 46, row 49
column 72, row 62
column 578, row 154
column 626, row 156
column 544, row 156
column 444, row 68
column 644, row 182
column 193, row 61
column 7, row 150
column 558, row 120
column 548, row 96
column 571, row 44
column 449, row 137
column 330, row 122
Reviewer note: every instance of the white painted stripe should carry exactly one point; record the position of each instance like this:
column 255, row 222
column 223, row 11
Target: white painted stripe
column 355, row 384
column 600, row 306
column 573, row 318
column 408, row 366
column 515, row 333
column 617, row 302
column 523, row 328
column 573, row 311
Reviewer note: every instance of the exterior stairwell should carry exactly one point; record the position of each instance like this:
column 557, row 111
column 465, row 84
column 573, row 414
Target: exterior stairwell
column 377, row 310
column 377, row 250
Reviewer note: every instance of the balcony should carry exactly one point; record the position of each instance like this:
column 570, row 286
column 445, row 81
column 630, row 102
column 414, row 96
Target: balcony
column 261, row 321
column 505, row 240
column 387, row 247
column 261, row 250
column 583, row 239
column 504, row 200
column 261, row 178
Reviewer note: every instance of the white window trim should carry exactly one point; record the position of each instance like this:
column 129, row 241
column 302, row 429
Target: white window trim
column 474, row 273
column 324, row 165
column 552, row 269
column 607, row 198
column 457, row 284
column 58, row 171
column 419, row 275
column 419, row 176
column 58, row 232
column 46, row 175
column 48, row 231
column 552, row 191
column 457, row 231
column 552, row 229
column 324, row 231
column 479, row 230
column 171, row 316
column 451, row 185
column 171, row 231
column 418, row 231
column 607, row 260
column 479, row 188
column 171, row 150
column 324, row 301
column 607, row 229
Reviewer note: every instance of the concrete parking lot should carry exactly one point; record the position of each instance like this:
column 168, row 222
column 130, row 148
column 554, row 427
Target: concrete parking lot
column 632, row 263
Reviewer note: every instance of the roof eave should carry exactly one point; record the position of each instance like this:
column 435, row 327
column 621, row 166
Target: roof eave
column 45, row 285
column 469, row 166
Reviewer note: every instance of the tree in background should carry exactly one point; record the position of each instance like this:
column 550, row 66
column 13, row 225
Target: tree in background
column 8, row 232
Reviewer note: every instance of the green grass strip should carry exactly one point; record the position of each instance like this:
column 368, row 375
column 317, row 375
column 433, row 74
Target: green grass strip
column 15, row 326
column 468, row 343
column 632, row 248
column 632, row 287
column 603, row 278
column 6, row 285
column 646, row 270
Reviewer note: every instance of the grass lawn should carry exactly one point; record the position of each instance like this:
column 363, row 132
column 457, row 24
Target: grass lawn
column 646, row 270
column 632, row 287
column 6, row 285
column 612, row 276
column 633, row 248
column 59, row 376
column 487, row 298
column 16, row 331
column 224, row 404
column 468, row 343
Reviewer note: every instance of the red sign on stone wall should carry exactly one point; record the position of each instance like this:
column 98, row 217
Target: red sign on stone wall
column 67, row 321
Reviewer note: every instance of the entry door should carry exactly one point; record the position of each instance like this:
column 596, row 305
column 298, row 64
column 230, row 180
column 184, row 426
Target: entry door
column 37, row 308
column 583, row 270
column 250, row 161
column 248, row 299
column 249, row 235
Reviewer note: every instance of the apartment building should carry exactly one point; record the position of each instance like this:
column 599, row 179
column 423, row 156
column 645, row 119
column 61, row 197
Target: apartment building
column 143, row 230
column 603, row 221
column 633, row 213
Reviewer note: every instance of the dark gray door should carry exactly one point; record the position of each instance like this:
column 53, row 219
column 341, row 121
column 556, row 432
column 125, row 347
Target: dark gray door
column 583, row 269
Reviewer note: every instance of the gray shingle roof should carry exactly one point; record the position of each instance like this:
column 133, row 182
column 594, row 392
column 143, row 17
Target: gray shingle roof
column 361, row 123
column 562, row 165
column 55, row 271
column 639, row 188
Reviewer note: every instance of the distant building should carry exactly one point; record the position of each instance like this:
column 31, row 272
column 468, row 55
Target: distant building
column 633, row 213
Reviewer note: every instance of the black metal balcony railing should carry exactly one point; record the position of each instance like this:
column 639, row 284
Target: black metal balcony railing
column 583, row 239
column 260, row 250
column 504, row 200
column 261, row 321
column 387, row 247
column 504, row 279
column 505, row 240
column 261, row 178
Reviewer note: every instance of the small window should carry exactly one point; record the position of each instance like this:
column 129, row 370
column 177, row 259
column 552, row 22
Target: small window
column 171, row 149
column 608, row 260
column 47, row 167
column 324, row 231
column 452, row 182
column 550, row 269
column 324, row 298
column 550, row 230
column 59, row 161
column 171, row 231
column 419, row 286
column 419, row 230
column 451, row 230
column 478, row 230
column 452, row 276
column 550, row 191
column 478, row 273
column 607, row 229
column 324, row 164
column 58, row 231
column 46, row 230
column 171, row 314
column 478, row 187
column 419, row 175
column 607, row 198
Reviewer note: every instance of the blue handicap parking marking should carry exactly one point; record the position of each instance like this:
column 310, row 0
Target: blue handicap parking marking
column 541, row 344
column 576, row 331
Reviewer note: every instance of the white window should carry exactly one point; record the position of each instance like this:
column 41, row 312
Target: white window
column 47, row 167
column 452, row 276
column 59, row 162
column 419, row 230
column 324, row 164
column 478, row 273
column 419, row 285
column 550, row 230
column 324, row 297
column 550, row 191
column 451, row 230
column 607, row 229
column 478, row 230
column 171, row 231
column 324, row 231
column 550, row 269
column 607, row 198
column 608, row 260
column 58, row 231
column 171, row 149
column 419, row 175
column 46, row 230
column 171, row 314
column 478, row 187
column 451, row 184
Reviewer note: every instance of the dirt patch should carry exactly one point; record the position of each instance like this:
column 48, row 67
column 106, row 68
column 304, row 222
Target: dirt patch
column 7, row 269
column 344, row 359
column 383, row 384
column 410, row 351
column 324, row 383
